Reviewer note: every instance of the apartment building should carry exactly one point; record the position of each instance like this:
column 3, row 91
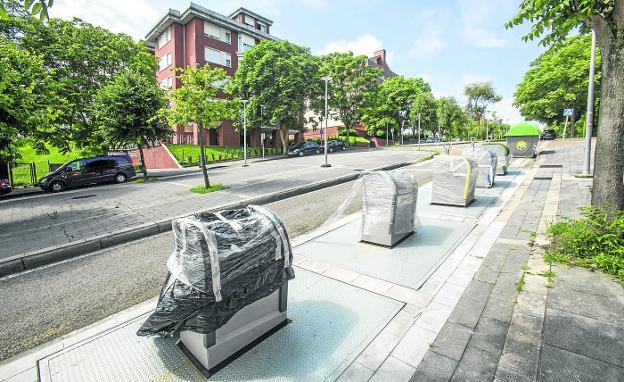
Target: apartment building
column 199, row 36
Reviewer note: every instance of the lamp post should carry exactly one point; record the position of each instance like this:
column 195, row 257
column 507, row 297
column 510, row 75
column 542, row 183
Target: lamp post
column 245, row 132
column 590, row 108
column 326, row 79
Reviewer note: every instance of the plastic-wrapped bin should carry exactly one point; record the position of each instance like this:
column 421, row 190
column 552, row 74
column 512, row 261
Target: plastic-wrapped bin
column 454, row 180
column 522, row 140
column 227, row 283
column 502, row 156
column 487, row 162
column 389, row 207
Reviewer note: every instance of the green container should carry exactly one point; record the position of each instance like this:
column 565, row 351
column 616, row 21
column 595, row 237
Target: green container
column 522, row 140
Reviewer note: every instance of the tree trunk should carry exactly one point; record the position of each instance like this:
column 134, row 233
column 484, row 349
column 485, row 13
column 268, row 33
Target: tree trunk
column 143, row 167
column 347, row 139
column 608, row 187
column 283, row 131
column 202, row 156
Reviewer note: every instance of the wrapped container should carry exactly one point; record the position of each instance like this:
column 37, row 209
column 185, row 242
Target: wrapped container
column 487, row 162
column 227, row 283
column 454, row 180
column 501, row 151
column 522, row 140
column 389, row 207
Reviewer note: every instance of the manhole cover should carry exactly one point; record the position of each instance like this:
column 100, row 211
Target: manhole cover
column 551, row 166
column 84, row 196
column 543, row 178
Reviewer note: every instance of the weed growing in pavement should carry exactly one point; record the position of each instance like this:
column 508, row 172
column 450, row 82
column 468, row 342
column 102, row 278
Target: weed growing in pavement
column 594, row 241
column 204, row 190
column 53, row 215
column 550, row 276
column 521, row 282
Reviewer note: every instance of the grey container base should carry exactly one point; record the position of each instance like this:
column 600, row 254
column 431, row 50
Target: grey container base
column 252, row 324
column 459, row 204
column 385, row 239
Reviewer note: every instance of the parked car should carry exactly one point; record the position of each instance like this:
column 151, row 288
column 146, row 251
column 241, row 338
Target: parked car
column 334, row 146
column 85, row 171
column 5, row 188
column 303, row 148
column 548, row 135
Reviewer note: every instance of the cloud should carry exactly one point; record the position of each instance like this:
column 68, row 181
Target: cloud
column 506, row 111
column 482, row 38
column 131, row 17
column 468, row 79
column 429, row 43
column 365, row 44
column 432, row 32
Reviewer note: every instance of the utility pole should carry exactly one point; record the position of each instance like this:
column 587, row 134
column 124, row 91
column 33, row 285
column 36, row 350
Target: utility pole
column 590, row 107
column 245, row 132
column 418, row 131
column 327, row 79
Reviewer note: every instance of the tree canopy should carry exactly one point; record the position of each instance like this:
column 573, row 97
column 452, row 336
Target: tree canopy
column 126, row 112
column 277, row 78
column 480, row 95
column 451, row 117
column 352, row 82
column 557, row 79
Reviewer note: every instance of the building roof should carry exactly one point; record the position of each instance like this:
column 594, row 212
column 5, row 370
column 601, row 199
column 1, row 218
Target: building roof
column 250, row 13
column 195, row 10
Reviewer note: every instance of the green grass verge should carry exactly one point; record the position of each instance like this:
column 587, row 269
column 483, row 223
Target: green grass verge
column 204, row 190
column 594, row 241
column 187, row 154
column 21, row 173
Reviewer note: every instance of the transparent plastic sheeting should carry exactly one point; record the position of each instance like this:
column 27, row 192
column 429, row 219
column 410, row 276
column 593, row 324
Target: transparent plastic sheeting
column 389, row 203
column 454, row 180
column 487, row 161
column 221, row 263
column 502, row 156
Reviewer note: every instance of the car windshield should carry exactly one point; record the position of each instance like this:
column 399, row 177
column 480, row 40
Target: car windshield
column 74, row 164
column 296, row 146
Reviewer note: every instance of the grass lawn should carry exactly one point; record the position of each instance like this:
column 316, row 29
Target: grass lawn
column 189, row 154
column 21, row 174
column 204, row 190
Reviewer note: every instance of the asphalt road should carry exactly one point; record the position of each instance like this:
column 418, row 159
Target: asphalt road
column 36, row 222
column 45, row 303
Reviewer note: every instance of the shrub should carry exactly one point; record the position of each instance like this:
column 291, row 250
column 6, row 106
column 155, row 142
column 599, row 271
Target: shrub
column 594, row 241
column 204, row 190
column 343, row 132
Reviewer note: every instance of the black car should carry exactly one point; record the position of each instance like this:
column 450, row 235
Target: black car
column 548, row 135
column 5, row 188
column 82, row 172
column 303, row 148
column 334, row 146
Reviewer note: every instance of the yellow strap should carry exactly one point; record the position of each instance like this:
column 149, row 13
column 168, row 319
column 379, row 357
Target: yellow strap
column 468, row 171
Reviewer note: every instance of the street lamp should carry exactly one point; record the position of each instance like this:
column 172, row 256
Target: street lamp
column 245, row 132
column 326, row 79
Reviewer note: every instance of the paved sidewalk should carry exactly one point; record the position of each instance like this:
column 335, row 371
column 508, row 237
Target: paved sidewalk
column 504, row 331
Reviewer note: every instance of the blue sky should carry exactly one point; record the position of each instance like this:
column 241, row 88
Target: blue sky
column 449, row 43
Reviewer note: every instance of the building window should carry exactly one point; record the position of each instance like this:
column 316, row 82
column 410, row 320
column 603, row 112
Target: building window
column 217, row 57
column 245, row 43
column 167, row 83
column 217, row 32
column 164, row 62
column 262, row 27
column 164, row 38
column 249, row 20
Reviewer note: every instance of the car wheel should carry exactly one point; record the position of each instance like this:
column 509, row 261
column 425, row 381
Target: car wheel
column 121, row 178
column 57, row 186
column 331, row 150
column 344, row 148
column 300, row 153
column 318, row 152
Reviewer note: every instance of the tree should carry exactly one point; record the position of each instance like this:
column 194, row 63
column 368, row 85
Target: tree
column 451, row 117
column 352, row 83
column 196, row 102
column 126, row 112
column 552, row 21
column 26, row 107
column 34, row 7
column 391, row 104
column 81, row 59
column 480, row 95
column 277, row 78
column 556, row 80
column 423, row 113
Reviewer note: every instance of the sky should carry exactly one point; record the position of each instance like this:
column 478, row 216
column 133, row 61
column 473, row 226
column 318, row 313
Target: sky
column 449, row 43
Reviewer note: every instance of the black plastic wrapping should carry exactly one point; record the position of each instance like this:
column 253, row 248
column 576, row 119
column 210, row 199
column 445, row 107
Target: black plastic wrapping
column 221, row 263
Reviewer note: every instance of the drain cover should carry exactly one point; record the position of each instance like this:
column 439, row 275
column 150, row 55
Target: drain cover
column 84, row 196
column 551, row 166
